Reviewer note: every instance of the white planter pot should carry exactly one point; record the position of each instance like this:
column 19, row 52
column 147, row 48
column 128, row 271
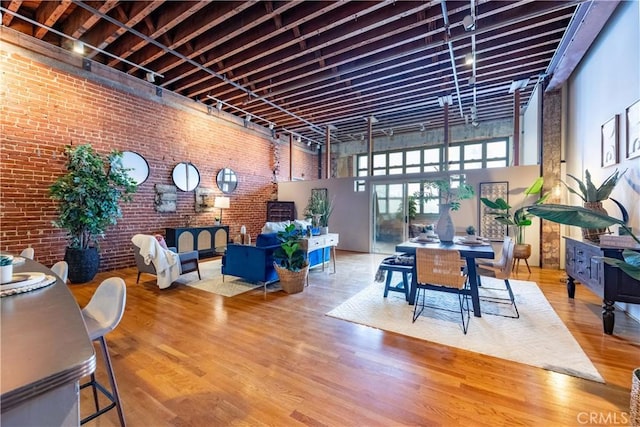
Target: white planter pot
column 6, row 273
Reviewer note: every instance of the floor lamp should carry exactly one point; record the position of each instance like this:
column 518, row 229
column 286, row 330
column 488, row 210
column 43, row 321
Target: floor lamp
column 221, row 202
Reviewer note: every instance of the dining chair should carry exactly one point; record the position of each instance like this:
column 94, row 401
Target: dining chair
column 501, row 270
column 439, row 270
column 27, row 253
column 101, row 315
column 496, row 263
column 61, row 269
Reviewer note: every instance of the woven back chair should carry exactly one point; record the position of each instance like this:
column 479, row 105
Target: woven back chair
column 502, row 272
column 439, row 270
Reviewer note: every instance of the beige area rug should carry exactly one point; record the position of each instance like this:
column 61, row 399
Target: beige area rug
column 211, row 274
column 538, row 338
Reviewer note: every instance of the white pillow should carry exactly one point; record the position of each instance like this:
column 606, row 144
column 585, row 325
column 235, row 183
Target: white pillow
column 274, row 227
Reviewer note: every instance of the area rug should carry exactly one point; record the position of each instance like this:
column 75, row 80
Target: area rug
column 538, row 338
column 211, row 274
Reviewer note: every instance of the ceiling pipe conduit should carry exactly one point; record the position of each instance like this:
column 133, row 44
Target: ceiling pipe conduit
column 250, row 93
column 453, row 59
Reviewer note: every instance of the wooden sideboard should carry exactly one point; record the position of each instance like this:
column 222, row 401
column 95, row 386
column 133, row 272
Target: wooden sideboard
column 208, row 241
column 583, row 263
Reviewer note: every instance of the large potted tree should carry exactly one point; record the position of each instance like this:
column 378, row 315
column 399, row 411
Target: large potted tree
column 88, row 200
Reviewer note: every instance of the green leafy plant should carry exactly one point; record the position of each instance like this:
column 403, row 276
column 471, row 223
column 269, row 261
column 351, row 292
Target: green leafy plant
column 471, row 230
column 89, row 194
column 588, row 191
column 442, row 190
column 5, row 260
column 587, row 218
column 289, row 255
column 320, row 207
column 520, row 218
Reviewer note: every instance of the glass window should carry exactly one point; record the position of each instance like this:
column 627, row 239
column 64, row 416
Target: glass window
column 413, row 157
column 473, row 152
column 496, row 149
column 497, row 164
column 379, row 160
column 395, row 159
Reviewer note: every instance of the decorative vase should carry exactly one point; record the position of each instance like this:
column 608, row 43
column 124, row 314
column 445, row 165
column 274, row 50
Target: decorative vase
column 292, row 282
column 444, row 228
column 522, row 251
column 324, row 230
column 593, row 234
column 83, row 264
column 6, row 273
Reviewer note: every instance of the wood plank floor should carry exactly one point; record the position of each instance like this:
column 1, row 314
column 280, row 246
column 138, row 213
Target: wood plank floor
column 185, row 357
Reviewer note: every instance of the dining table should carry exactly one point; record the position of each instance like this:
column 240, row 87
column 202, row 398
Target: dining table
column 469, row 251
column 45, row 350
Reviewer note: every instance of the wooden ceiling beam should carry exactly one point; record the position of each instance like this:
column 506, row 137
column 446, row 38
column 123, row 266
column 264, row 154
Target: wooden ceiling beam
column 48, row 14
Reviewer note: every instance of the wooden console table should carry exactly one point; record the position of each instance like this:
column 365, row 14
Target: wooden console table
column 583, row 264
column 323, row 241
column 208, row 241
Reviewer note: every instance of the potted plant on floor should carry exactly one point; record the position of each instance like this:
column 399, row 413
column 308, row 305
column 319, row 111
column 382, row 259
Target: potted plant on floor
column 88, row 200
column 520, row 218
column 289, row 261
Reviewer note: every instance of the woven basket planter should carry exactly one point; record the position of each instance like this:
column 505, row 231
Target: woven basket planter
column 292, row 282
column 635, row 399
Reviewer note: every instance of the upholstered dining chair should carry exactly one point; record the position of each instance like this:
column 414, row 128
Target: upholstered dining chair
column 496, row 263
column 500, row 270
column 27, row 253
column 101, row 315
column 439, row 270
column 61, row 269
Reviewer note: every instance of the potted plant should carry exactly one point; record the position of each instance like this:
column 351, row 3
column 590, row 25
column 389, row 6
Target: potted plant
column 520, row 218
column 319, row 209
column 450, row 198
column 6, row 268
column 88, row 200
column 593, row 197
column 289, row 261
column 471, row 230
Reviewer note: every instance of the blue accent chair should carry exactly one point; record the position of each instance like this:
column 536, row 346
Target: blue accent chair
column 255, row 263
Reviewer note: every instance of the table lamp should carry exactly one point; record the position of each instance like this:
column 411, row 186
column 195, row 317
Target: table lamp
column 221, row 202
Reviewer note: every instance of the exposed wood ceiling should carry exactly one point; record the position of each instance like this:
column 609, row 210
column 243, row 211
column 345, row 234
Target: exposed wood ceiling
column 305, row 65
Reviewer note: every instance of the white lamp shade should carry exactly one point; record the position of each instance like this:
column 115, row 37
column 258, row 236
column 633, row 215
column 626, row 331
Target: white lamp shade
column 221, row 202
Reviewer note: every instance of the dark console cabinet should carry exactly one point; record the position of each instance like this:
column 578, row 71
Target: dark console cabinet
column 583, row 263
column 208, row 241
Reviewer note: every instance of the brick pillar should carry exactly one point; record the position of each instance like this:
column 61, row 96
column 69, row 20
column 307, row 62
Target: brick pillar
column 550, row 161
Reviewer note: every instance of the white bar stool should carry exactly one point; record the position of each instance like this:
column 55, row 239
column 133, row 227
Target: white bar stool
column 102, row 315
column 61, row 269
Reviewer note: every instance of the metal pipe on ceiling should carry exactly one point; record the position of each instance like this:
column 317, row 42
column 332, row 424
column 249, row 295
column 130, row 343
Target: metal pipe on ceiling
column 312, row 126
column 453, row 59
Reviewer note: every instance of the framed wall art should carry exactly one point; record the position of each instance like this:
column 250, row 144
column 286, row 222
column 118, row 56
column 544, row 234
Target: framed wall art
column 609, row 142
column 633, row 130
column 488, row 226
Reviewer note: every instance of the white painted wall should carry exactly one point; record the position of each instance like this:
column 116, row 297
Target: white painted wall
column 605, row 83
column 352, row 213
column 530, row 139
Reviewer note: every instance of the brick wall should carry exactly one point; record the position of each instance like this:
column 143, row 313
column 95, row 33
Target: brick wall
column 45, row 105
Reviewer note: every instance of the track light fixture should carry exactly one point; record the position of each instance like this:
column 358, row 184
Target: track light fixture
column 150, row 77
column 78, row 47
column 468, row 23
column 469, row 59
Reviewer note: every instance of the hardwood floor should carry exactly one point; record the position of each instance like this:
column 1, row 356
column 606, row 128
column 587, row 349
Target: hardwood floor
column 185, row 357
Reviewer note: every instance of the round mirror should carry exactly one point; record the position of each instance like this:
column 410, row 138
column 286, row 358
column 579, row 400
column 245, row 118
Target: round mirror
column 186, row 176
column 137, row 165
column 227, row 180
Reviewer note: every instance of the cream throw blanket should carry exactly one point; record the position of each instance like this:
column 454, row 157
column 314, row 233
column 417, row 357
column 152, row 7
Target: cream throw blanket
column 166, row 263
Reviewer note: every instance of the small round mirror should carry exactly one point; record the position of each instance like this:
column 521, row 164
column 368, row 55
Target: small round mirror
column 137, row 165
column 227, row 180
column 186, row 176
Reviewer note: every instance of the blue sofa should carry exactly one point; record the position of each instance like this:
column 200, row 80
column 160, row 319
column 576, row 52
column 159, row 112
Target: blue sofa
column 255, row 263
